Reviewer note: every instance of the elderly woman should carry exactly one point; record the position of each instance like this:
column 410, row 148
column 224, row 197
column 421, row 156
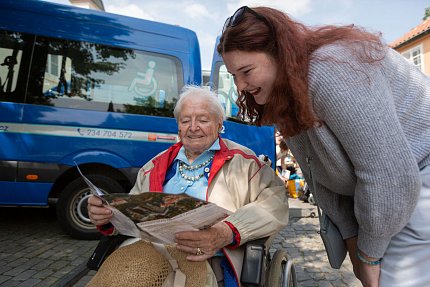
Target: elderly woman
column 217, row 170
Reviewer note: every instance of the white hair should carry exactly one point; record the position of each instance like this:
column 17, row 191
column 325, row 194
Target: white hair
column 203, row 93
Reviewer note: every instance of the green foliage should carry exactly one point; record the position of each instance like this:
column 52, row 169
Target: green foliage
column 426, row 13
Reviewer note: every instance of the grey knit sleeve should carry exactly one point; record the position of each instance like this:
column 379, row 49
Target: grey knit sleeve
column 355, row 101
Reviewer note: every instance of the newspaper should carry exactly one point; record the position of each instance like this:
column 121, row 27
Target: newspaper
column 156, row 216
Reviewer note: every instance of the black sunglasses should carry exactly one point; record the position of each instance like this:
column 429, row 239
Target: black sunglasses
column 238, row 16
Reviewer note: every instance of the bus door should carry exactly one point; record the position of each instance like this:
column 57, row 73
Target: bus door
column 15, row 50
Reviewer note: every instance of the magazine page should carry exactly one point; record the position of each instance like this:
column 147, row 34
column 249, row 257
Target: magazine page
column 149, row 206
column 123, row 224
column 94, row 189
column 156, row 216
column 197, row 219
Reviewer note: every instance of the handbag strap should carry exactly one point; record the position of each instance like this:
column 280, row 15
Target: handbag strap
column 308, row 162
column 176, row 278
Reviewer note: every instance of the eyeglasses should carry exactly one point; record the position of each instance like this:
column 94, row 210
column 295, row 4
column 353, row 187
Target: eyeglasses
column 238, row 16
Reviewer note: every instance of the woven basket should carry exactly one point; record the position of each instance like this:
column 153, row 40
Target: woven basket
column 141, row 265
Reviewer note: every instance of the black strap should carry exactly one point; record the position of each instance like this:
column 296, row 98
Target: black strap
column 313, row 189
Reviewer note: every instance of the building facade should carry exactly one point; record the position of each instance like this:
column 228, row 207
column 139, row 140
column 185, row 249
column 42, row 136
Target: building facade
column 415, row 46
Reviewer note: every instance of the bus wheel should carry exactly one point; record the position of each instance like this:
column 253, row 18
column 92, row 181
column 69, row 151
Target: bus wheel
column 72, row 210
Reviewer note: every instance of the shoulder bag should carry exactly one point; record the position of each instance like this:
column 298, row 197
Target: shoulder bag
column 333, row 242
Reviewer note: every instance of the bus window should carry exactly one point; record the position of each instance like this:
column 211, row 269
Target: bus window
column 227, row 91
column 89, row 76
column 57, row 75
column 11, row 50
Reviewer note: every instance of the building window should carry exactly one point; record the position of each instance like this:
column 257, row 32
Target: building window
column 52, row 65
column 415, row 56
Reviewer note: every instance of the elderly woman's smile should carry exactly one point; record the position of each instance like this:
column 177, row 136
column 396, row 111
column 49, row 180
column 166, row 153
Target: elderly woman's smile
column 198, row 126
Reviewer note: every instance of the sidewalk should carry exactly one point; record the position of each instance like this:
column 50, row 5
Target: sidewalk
column 305, row 248
column 34, row 251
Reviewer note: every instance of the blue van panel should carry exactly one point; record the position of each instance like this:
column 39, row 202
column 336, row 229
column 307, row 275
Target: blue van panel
column 7, row 193
column 30, row 193
column 24, row 193
column 258, row 139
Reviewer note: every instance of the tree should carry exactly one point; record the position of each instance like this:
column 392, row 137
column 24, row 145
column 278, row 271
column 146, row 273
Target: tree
column 426, row 13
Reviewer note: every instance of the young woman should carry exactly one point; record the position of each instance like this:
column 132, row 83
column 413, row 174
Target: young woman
column 361, row 113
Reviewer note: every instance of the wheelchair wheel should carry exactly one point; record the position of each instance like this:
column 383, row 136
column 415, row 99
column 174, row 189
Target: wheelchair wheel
column 281, row 272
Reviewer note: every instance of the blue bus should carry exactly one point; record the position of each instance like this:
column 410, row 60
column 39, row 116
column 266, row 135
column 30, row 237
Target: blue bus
column 90, row 87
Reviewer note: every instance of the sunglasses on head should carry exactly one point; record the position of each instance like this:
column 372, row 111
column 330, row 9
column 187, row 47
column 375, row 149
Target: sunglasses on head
column 238, row 16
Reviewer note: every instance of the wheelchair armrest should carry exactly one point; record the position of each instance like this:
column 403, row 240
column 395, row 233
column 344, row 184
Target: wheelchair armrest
column 106, row 246
column 254, row 262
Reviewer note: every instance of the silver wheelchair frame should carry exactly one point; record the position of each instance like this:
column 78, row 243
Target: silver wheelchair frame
column 260, row 269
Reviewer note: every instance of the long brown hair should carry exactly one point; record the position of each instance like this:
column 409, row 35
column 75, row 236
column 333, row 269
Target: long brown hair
column 291, row 44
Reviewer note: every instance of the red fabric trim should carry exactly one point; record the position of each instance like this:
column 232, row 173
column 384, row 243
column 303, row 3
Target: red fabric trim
column 225, row 154
column 163, row 162
column 220, row 157
column 248, row 156
column 236, row 236
column 106, row 229
column 232, row 267
column 256, row 172
column 161, row 165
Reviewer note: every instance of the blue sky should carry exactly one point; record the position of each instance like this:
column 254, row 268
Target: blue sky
column 206, row 17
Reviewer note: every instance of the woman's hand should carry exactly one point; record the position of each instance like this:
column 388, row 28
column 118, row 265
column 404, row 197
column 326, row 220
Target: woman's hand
column 366, row 273
column 98, row 213
column 351, row 246
column 369, row 273
column 207, row 241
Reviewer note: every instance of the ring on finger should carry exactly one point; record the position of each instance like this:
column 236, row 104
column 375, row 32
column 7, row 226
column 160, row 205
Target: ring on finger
column 199, row 252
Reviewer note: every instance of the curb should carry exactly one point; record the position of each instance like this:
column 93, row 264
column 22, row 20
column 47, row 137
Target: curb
column 74, row 276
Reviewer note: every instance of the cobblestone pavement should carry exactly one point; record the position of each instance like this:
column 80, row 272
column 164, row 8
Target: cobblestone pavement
column 305, row 248
column 34, row 251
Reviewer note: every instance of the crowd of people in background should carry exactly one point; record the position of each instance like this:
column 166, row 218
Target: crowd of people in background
column 287, row 168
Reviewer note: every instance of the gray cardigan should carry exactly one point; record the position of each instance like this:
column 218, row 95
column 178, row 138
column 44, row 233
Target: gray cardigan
column 375, row 137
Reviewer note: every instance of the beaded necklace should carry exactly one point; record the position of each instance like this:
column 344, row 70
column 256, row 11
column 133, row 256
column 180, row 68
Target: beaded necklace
column 183, row 166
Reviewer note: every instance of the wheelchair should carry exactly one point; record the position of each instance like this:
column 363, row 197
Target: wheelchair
column 259, row 269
